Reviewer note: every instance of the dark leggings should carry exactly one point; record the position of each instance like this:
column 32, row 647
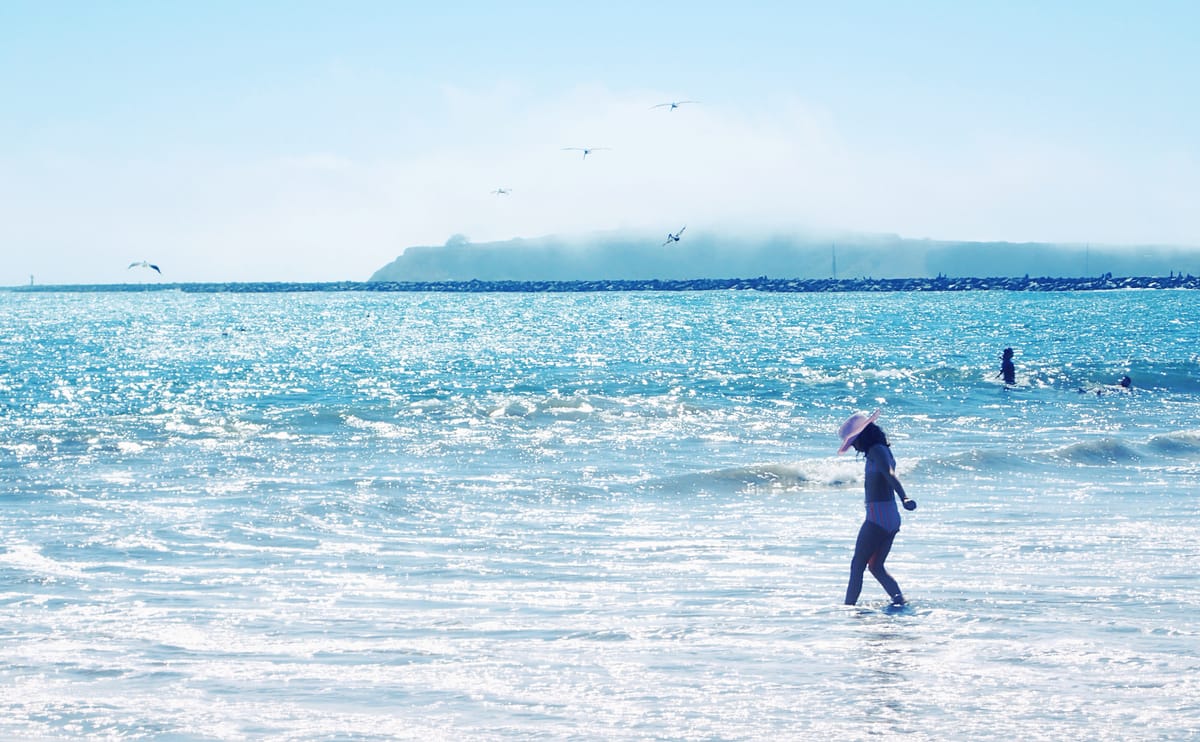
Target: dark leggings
column 870, row 551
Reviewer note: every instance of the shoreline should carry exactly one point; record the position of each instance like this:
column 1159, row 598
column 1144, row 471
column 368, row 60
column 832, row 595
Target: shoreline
column 774, row 285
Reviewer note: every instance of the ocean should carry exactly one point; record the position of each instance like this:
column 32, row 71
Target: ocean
column 595, row 516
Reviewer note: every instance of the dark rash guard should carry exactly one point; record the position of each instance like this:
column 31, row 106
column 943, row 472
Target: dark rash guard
column 880, row 496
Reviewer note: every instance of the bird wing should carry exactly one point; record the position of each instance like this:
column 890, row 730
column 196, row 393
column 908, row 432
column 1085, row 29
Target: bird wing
column 155, row 267
column 133, row 265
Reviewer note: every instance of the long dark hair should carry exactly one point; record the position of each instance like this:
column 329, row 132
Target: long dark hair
column 869, row 436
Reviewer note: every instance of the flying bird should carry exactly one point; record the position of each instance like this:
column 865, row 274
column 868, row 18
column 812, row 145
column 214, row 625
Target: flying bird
column 145, row 264
column 502, row 191
column 673, row 104
column 585, row 150
column 674, row 237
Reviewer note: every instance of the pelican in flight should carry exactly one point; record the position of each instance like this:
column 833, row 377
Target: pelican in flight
column 145, row 264
column 586, row 150
column 502, row 191
column 674, row 237
column 673, row 104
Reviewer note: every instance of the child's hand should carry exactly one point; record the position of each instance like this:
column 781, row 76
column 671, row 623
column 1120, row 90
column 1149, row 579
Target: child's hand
column 910, row 504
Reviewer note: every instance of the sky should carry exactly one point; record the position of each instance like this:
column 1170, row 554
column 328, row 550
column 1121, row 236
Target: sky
column 314, row 141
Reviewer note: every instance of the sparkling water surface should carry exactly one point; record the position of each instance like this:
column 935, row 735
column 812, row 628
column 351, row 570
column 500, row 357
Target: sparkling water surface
column 616, row 516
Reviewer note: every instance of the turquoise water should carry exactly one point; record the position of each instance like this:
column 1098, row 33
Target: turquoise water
column 609, row 516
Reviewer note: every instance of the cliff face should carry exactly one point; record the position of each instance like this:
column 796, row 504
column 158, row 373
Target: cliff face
column 626, row 256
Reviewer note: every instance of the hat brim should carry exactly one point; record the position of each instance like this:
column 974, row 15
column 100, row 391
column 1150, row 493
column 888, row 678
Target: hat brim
column 848, row 441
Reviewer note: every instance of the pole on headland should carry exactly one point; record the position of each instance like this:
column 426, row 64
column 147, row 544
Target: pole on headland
column 833, row 252
column 1087, row 254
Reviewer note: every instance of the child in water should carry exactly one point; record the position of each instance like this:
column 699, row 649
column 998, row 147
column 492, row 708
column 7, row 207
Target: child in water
column 882, row 521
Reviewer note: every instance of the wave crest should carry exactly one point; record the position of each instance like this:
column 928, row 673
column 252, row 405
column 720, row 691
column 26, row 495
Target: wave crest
column 1177, row 443
column 774, row 476
column 1097, row 452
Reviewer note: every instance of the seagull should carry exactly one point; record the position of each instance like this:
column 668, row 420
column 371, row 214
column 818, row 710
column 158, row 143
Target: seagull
column 145, row 264
column 586, row 150
column 502, row 191
column 674, row 104
column 674, row 237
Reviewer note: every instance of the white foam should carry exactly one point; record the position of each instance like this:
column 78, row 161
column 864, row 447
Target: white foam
column 29, row 558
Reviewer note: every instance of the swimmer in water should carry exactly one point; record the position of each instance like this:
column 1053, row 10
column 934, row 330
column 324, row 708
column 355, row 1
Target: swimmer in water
column 1007, row 370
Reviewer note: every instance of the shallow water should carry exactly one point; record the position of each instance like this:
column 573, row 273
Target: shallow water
column 594, row 515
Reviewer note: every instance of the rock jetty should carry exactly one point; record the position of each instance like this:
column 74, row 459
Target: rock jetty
column 1106, row 282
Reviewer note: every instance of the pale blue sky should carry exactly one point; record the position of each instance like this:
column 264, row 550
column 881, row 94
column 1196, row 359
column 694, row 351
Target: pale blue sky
column 314, row 141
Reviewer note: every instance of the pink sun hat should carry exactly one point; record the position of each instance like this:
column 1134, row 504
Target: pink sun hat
column 853, row 426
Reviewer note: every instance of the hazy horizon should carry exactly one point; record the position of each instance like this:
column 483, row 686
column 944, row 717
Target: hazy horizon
column 303, row 142
column 642, row 255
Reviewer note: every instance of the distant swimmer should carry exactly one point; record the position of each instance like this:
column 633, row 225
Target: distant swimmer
column 1007, row 370
column 145, row 264
column 585, row 150
column 673, row 104
column 1124, row 385
column 502, row 191
column 674, row 237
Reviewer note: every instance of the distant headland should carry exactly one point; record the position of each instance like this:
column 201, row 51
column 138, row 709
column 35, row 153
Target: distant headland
column 701, row 254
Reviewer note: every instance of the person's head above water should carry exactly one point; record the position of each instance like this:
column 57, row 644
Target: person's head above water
column 1008, row 352
column 860, row 432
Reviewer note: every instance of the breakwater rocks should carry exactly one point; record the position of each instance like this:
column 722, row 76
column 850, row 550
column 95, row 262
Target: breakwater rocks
column 785, row 285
